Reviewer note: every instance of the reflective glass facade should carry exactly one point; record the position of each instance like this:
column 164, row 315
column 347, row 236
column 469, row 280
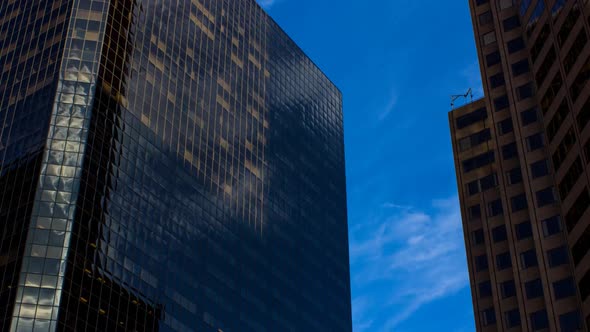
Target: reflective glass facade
column 178, row 167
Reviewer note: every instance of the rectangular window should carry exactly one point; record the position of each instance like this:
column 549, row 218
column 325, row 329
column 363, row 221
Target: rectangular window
column 503, row 261
column 546, row 196
column 564, row 288
column 540, row 168
column 475, row 212
column 533, row 289
column 551, row 226
column 511, row 23
column 514, row 45
column 501, row 103
column 508, row 289
column 520, row 67
column 499, row 234
column 488, row 182
column 529, row 116
column 485, row 289
column 474, row 140
column 505, row 4
column 481, row 263
column 570, row 321
column 466, row 120
column 535, row 142
column 493, row 58
column 557, row 256
column 528, row 259
column 525, row 91
column 505, row 126
column 477, row 237
column 509, row 151
column 539, row 320
column 497, row 80
column 488, row 317
column 489, row 38
column 473, row 187
column 524, row 230
column 495, row 208
column 512, row 318
column 485, row 18
column 476, row 162
column 514, row 176
column 518, row 203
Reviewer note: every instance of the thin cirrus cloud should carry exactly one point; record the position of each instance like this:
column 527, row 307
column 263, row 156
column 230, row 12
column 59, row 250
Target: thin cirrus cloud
column 407, row 257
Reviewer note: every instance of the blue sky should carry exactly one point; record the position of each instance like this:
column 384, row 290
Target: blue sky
column 397, row 62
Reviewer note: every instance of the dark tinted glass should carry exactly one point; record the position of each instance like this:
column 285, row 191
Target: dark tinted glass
column 471, row 118
column 481, row 263
column 540, row 168
column 508, row 289
column 564, row 288
column 518, row 202
column 558, row 256
column 503, row 261
column 533, row 289
column 520, row 67
column 523, row 230
column 515, row 176
column 493, row 58
column 485, row 289
column 501, row 103
column 515, row 45
column 512, row 318
column 529, row 116
column 495, row 208
column 499, row 233
column 511, row 23
column 539, row 320
column 551, row 226
column 509, row 151
column 528, row 259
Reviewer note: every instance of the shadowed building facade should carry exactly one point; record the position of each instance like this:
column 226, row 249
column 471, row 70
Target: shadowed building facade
column 522, row 157
column 167, row 165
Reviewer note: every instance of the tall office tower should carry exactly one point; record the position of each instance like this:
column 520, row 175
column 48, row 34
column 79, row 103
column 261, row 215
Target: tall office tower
column 167, row 165
column 522, row 156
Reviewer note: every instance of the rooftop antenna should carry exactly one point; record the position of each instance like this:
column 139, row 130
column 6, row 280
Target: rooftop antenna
column 469, row 94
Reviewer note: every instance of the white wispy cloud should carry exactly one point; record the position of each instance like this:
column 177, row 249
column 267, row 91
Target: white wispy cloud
column 389, row 107
column 419, row 255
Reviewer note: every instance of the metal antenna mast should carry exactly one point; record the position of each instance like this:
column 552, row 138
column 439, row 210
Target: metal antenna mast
column 469, row 94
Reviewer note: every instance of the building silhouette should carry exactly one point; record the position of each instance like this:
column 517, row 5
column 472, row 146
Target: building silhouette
column 522, row 155
column 167, row 165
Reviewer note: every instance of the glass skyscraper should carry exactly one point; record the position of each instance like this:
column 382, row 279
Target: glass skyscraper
column 167, row 165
